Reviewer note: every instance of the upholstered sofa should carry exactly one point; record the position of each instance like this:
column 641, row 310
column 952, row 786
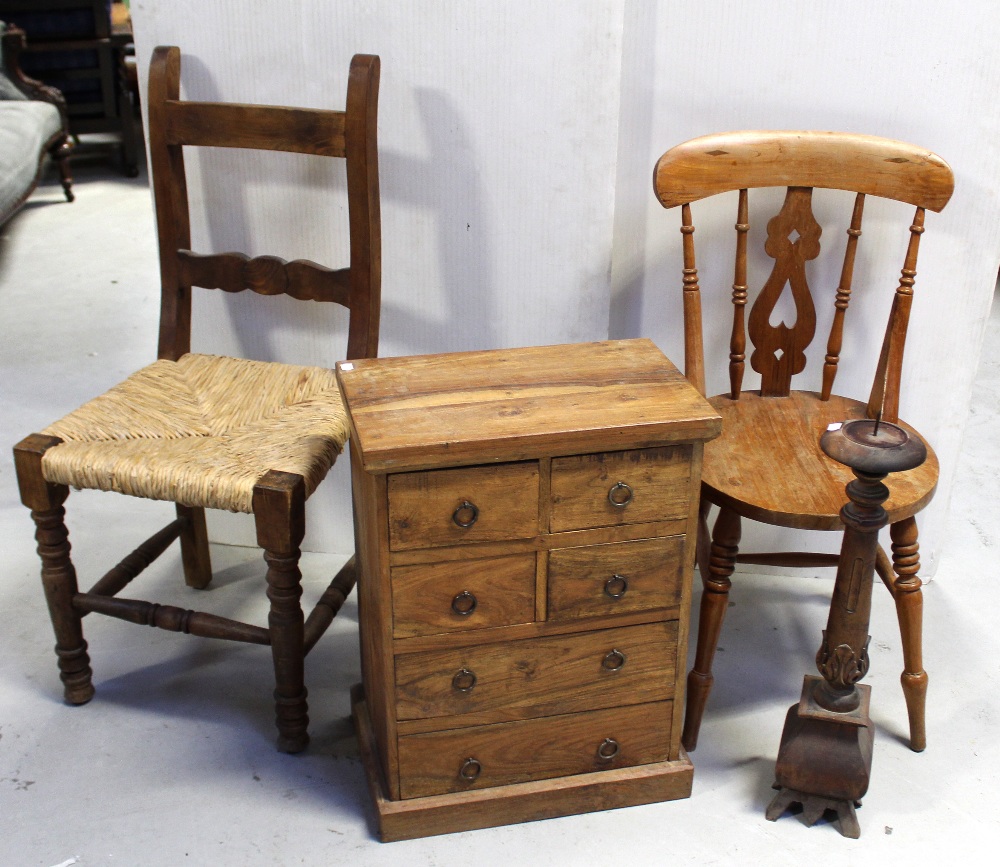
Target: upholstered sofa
column 33, row 124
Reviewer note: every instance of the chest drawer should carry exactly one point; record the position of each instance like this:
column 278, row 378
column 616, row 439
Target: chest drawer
column 601, row 580
column 611, row 488
column 540, row 676
column 457, row 595
column 466, row 504
column 493, row 755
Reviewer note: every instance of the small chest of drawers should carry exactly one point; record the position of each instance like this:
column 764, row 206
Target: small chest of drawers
column 526, row 522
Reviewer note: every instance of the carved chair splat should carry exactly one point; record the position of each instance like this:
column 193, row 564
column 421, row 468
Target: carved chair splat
column 214, row 432
column 767, row 464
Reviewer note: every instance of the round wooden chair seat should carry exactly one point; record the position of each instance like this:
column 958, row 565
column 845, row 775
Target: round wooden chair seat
column 202, row 431
column 767, row 464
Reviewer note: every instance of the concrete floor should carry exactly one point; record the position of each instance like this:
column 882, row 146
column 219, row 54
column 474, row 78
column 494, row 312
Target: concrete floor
column 173, row 761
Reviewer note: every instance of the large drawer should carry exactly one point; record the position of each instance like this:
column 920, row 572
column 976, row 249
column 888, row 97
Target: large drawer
column 612, row 488
column 494, row 755
column 508, row 680
column 467, row 504
column 457, row 595
column 602, row 580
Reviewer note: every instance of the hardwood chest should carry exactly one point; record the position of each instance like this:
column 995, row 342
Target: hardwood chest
column 526, row 523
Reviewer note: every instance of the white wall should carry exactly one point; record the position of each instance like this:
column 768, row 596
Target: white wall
column 922, row 72
column 517, row 141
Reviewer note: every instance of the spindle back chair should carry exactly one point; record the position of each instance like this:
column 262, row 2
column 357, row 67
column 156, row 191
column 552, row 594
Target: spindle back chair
column 767, row 464
column 206, row 431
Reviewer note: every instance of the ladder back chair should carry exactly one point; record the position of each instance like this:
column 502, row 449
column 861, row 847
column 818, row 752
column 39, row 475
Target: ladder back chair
column 206, row 431
column 767, row 464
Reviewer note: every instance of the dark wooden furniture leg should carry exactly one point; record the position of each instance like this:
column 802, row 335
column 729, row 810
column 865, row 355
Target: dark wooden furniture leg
column 58, row 574
column 279, row 512
column 60, row 153
column 195, row 555
column 909, row 611
column 722, row 562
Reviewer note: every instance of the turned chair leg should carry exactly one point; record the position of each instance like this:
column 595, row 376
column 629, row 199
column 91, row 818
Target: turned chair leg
column 195, row 555
column 909, row 611
column 60, row 153
column 58, row 574
column 714, row 600
column 279, row 512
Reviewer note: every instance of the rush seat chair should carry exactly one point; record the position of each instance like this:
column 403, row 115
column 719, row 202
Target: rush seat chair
column 214, row 432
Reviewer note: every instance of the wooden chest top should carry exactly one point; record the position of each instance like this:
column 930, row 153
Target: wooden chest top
column 519, row 404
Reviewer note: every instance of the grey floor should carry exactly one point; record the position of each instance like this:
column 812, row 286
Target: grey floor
column 173, row 761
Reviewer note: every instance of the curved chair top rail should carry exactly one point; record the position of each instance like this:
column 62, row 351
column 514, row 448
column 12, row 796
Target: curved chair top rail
column 867, row 164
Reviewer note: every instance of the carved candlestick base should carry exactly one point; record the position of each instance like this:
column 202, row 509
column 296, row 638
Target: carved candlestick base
column 825, row 757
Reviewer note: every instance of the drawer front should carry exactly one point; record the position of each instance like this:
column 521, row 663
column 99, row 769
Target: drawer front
column 612, row 488
column 540, row 676
column 466, row 504
column 495, row 755
column 601, row 580
column 463, row 594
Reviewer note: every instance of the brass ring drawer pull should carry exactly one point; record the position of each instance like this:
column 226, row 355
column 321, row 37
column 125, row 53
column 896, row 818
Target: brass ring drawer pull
column 465, row 515
column 608, row 749
column 464, row 680
column 620, row 495
column 616, row 586
column 464, row 603
column 614, row 661
column 470, row 769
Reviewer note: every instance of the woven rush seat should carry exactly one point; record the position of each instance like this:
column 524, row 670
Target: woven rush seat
column 202, row 431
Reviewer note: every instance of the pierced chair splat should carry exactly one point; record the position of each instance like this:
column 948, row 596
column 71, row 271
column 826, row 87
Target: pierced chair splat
column 767, row 465
column 206, row 431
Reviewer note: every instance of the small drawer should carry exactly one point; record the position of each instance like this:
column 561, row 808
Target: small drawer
column 466, row 504
column 495, row 755
column 463, row 594
column 632, row 487
column 601, row 580
column 532, row 677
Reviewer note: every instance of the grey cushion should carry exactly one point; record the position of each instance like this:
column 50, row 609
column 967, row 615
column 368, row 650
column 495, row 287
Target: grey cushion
column 24, row 129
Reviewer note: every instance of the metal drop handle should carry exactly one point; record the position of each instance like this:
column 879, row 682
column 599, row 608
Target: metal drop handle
column 614, row 661
column 464, row 603
column 464, row 680
column 620, row 495
column 608, row 749
column 466, row 515
column 471, row 768
column 616, row 586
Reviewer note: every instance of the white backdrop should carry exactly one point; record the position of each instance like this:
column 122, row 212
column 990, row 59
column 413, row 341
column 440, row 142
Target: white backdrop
column 517, row 141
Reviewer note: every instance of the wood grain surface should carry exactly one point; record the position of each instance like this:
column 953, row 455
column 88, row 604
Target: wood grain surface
column 457, row 408
column 541, row 676
column 802, row 158
column 644, row 575
column 763, row 433
column 530, row 750
column 423, row 595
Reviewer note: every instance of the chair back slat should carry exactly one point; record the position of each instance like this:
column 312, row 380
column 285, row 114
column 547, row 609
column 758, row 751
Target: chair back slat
column 350, row 134
column 792, row 240
column 884, row 399
column 694, row 355
column 737, row 341
column 877, row 166
column 261, row 127
column 842, row 300
column 265, row 275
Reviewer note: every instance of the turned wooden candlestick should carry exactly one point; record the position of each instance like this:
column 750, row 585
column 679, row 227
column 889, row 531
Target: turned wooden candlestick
column 825, row 757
